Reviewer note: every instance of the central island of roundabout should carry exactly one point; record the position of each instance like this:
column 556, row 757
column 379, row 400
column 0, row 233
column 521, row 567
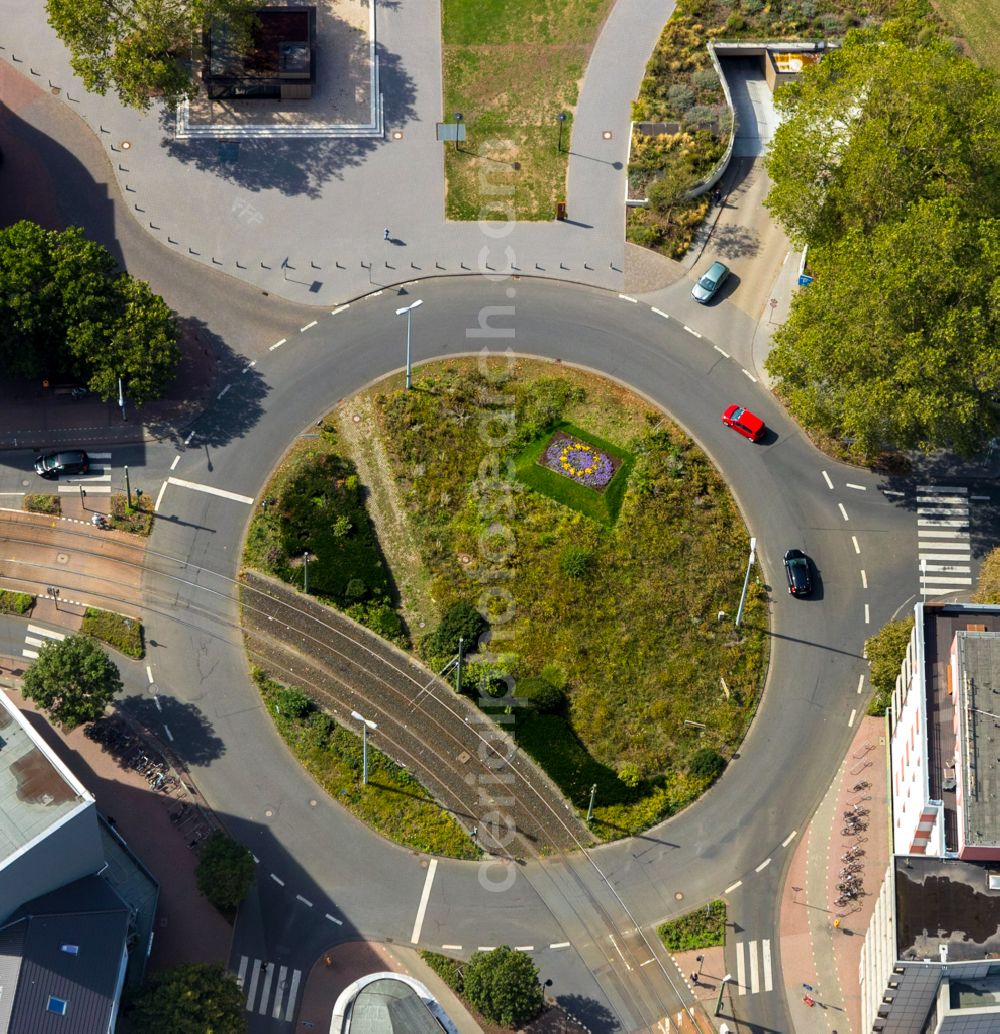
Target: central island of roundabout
column 518, row 580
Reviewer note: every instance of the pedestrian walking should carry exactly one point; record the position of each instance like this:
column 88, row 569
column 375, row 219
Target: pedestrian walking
column 385, row 234
column 694, row 979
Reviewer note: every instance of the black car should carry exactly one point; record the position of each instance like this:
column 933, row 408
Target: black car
column 71, row 461
column 798, row 573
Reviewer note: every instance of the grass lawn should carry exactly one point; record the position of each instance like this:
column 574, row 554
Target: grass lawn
column 622, row 615
column 979, row 25
column 510, row 67
column 393, row 803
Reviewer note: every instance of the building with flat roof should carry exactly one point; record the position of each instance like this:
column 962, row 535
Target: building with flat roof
column 389, row 1003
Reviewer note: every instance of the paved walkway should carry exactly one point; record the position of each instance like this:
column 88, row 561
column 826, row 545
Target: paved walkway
column 821, row 941
column 305, row 218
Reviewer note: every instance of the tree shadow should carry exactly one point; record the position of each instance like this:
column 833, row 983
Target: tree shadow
column 733, row 241
column 191, row 735
column 594, row 1015
column 298, row 166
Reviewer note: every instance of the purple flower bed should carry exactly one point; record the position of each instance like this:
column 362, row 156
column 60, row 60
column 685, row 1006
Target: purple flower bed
column 578, row 461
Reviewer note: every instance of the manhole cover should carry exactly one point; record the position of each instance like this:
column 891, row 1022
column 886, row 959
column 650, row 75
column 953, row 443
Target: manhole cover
column 62, row 558
column 25, row 483
column 464, row 757
column 153, row 689
column 678, row 896
column 355, row 418
column 126, row 144
column 268, row 813
column 464, row 558
column 56, row 90
column 313, row 803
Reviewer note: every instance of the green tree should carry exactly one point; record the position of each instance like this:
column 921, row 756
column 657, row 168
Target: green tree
column 225, row 872
column 65, row 310
column 894, row 343
column 503, row 985
column 877, row 125
column 885, row 652
column 461, row 620
column 142, row 48
column 988, row 583
column 74, row 680
column 196, row 998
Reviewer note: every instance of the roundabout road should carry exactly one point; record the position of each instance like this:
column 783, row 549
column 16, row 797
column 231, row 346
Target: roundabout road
column 732, row 839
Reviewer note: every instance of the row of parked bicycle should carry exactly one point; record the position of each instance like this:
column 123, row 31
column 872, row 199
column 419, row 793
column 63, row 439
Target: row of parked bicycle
column 851, row 885
column 132, row 751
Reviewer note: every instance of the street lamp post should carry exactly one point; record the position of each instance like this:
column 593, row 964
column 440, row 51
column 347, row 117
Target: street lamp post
column 366, row 724
column 458, row 118
column 409, row 366
column 562, row 121
column 722, row 987
column 305, row 572
column 746, row 581
column 121, row 398
column 128, row 489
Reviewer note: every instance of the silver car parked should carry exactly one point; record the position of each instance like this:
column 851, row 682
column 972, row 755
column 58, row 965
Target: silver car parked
column 707, row 287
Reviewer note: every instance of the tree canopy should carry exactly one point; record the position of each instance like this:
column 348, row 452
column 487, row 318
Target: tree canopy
column 503, row 985
column 66, row 310
column 74, row 680
column 196, row 998
column 225, row 872
column 141, row 48
column 887, row 164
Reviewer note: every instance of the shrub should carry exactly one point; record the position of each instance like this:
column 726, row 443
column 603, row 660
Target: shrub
column 449, row 970
column 680, row 97
column 15, row 602
column 574, row 561
column 703, row 928
column 117, row 630
column 735, row 23
column 706, row 78
column 503, row 985
column 701, row 117
column 292, row 703
column 544, row 697
column 885, row 651
column 41, row 503
column 988, row 585
column 225, row 872
column 461, row 621
column 707, row 764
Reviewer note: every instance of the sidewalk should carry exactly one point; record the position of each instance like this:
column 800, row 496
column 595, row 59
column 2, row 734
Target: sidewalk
column 820, row 941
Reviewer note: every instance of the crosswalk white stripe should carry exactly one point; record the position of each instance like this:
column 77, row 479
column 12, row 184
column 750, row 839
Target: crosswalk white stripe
column 956, row 536
column 90, row 489
column 929, row 590
column 754, row 974
column 741, row 969
column 956, row 568
column 32, row 641
column 265, row 992
column 99, row 455
column 936, row 579
column 243, row 970
column 254, row 976
column 953, row 511
column 942, row 500
column 32, row 654
column 945, row 556
column 936, row 522
column 958, row 489
column 768, row 980
column 959, row 547
column 99, row 474
column 279, row 993
column 292, row 993
column 46, row 632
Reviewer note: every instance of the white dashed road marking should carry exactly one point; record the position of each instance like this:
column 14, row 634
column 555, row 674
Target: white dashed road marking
column 308, row 326
column 277, row 344
column 722, row 351
column 763, row 865
column 826, row 478
column 732, row 887
column 690, row 331
column 791, row 836
column 843, row 512
column 854, row 539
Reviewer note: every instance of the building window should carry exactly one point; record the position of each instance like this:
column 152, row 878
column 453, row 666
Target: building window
column 57, row 1005
column 70, row 949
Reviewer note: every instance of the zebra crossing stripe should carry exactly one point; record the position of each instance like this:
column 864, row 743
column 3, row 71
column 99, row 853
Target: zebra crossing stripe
column 768, row 979
column 279, row 994
column 47, row 632
column 292, row 993
column 942, row 489
column 241, row 976
column 265, row 992
column 741, row 969
column 934, row 522
column 254, row 976
column 754, row 973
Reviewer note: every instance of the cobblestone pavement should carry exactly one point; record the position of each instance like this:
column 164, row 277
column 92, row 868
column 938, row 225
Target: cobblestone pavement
column 459, row 754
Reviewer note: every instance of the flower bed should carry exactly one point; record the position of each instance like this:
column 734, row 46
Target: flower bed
column 578, row 461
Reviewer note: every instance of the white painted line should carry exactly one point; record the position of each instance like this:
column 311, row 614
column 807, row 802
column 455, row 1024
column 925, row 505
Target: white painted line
column 620, row 955
column 938, row 500
column 279, row 993
column 91, row 489
column 559, row 944
column 955, row 568
column 854, row 539
column 47, row 632
column 280, row 883
column 277, row 344
column 690, row 331
column 930, row 590
column 937, row 579
column 187, row 441
column 221, row 393
column 722, row 351
column 660, row 312
column 14, row 493
column 732, row 887
column 864, row 579
column 850, row 721
column 525, row 947
column 741, row 969
column 308, row 326
column 333, row 919
column 159, row 496
column 254, row 975
column 243, row 970
column 937, row 523
column 265, row 991
column 763, row 865
column 647, row 962
column 32, row 654
column 754, row 974
column 791, row 836
column 255, row 858
column 486, row 947
column 843, row 512
column 943, row 488
column 170, row 735
column 156, row 700
column 211, row 490
column 860, row 488
column 765, row 948
column 964, row 555
column 375, row 295
column 249, row 366
column 177, row 459
column 305, row 901
column 826, row 478
column 861, row 682
column 891, row 491
column 149, row 674
column 424, row 898
column 747, row 373
column 954, row 536
column 340, row 308
column 981, row 498
column 867, row 615
column 99, row 455
column 943, row 511
column 32, row 641
column 629, row 298
column 451, row 947
column 292, row 995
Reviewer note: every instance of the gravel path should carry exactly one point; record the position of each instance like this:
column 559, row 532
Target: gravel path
column 470, row 765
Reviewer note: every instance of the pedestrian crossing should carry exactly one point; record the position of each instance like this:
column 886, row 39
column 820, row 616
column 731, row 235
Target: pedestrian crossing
column 754, row 972
column 32, row 642
column 278, row 987
column 97, row 482
column 943, row 546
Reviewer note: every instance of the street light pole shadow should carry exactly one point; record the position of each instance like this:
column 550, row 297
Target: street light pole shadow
column 591, row 158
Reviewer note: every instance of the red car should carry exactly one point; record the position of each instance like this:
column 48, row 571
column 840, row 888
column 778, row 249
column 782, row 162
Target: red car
column 743, row 422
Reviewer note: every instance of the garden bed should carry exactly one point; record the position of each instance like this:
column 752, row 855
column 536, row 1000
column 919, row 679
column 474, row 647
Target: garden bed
column 12, row 602
column 42, row 503
column 117, row 630
column 702, row 928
